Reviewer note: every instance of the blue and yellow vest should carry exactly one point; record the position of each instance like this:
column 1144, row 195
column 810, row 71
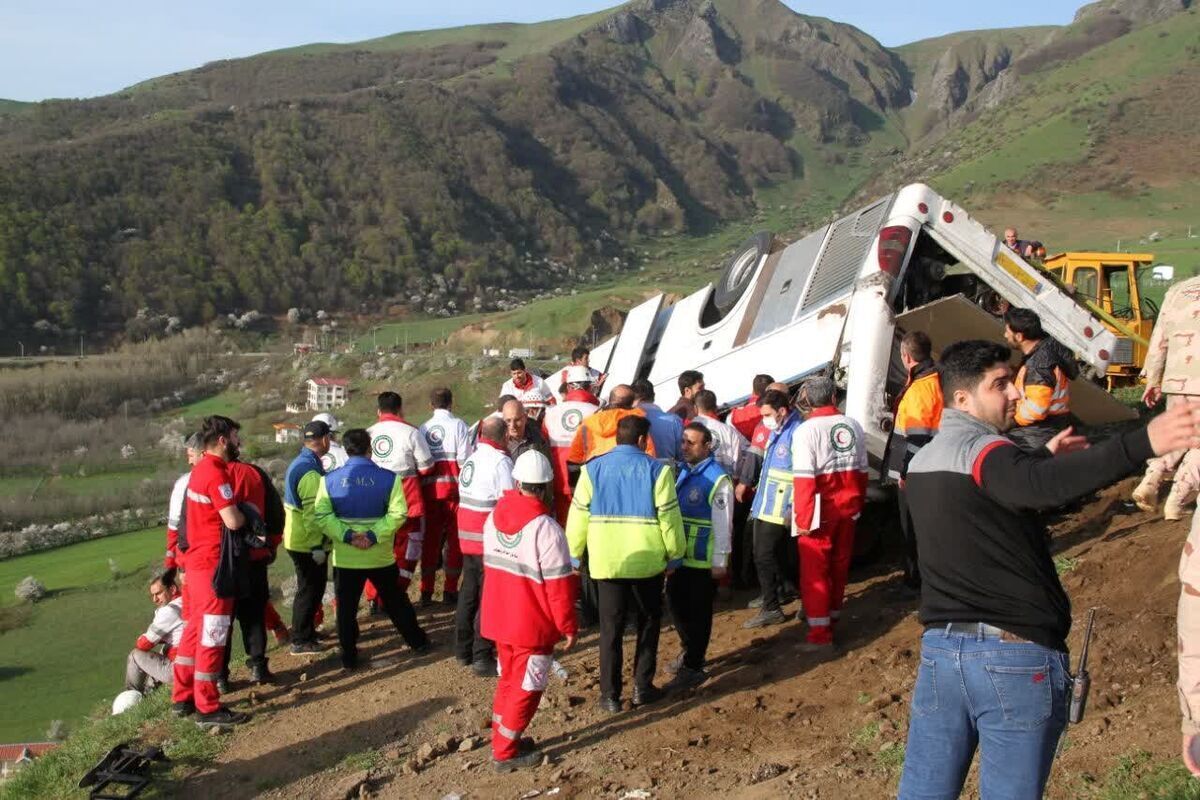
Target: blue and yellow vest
column 696, row 486
column 773, row 502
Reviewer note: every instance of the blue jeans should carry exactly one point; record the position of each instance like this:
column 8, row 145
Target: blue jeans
column 1009, row 699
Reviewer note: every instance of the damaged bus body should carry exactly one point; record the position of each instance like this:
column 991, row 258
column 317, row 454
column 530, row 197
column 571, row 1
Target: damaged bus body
column 837, row 301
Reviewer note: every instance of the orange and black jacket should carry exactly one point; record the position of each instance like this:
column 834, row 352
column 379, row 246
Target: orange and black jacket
column 1044, row 381
column 918, row 417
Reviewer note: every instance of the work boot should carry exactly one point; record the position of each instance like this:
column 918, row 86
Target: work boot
column 221, row 718
column 450, row 598
column 1145, row 496
column 1173, row 508
column 183, row 708
column 223, row 686
column 260, row 674
column 647, row 695
column 687, row 678
column 610, row 704
column 764, row 618
column 485, row 668
column 426, row 600
column 524, row 761
column 307, row 649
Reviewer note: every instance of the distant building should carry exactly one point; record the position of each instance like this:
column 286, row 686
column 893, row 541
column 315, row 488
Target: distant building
column 327, row 393
column 304, row 348
column 520, row 352
column 295, row 407
column 14, row 757
column 491, row 352
column 286, row 432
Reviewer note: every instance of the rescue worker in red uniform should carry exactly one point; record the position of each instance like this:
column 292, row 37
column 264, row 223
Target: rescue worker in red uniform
column 528, row 604
column 210, row 505
column 400, row 447
column 746, row 418
column 829, row 468
column 449, row 443
column 918, row 417
column 559, row 427
column 254, row 611
column 1043, row 380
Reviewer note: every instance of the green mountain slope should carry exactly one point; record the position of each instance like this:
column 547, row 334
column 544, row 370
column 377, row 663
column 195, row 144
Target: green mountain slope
column 429, row 170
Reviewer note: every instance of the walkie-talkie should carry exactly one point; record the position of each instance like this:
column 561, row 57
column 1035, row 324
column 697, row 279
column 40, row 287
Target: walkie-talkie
column 1082, row 682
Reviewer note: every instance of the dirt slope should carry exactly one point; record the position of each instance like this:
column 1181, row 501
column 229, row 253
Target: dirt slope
column 771, row 721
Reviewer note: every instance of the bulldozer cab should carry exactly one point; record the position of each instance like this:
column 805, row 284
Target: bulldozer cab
column 1113, row 286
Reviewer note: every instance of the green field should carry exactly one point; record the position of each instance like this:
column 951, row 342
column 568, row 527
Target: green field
column 79, row 485
column 66, row 653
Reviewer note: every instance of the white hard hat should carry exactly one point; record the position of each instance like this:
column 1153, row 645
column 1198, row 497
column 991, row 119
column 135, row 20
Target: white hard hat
column 532, row 467
column 535, row 398
column 577, row 373
column 126, row 700
column 328, row 419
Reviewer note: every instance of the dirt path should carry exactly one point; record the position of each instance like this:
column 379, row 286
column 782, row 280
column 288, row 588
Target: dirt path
column 770, row 722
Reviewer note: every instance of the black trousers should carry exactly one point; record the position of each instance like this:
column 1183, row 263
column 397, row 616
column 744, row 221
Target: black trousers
column 589, row 599
column 618, row 596
column 348, row 587
column 311, row 578
column 249, row 612
column 741, row 560
column 912, row 574
column 690, row 593
column 469, row 646
column 771, row 561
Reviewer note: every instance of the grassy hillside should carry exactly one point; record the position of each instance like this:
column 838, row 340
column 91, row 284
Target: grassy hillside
column 9, row 106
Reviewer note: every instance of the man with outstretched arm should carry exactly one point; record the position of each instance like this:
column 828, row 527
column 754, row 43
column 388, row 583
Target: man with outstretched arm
column 994, row 660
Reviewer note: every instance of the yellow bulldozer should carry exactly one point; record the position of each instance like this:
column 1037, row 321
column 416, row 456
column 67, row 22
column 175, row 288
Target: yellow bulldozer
column 1114, row 287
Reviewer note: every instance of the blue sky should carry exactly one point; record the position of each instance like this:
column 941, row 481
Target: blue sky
column 82, row 48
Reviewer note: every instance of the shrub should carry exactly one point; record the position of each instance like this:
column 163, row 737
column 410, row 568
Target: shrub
column 30, row 589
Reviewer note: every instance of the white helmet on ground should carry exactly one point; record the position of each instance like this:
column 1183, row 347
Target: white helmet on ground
column 126, row 700
column 532, row 467
column 328, row 419
column 577, row 373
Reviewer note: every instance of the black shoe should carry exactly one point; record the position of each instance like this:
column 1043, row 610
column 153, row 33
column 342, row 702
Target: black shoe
column 260, row 674
column 526, row 744
column 221, row 718
column 463, row 662
column 424, row 647
column 306, row 649
column 524, row 761
column 764, row 618
column 687, row 678
column 183, row 708
column 426, row 600
column 485, row 668
column 223, row 686
column 610, row 704
column 450, row 598
column 648, row 695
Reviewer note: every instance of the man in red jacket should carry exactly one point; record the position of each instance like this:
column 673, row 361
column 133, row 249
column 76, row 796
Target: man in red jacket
column 529, row 593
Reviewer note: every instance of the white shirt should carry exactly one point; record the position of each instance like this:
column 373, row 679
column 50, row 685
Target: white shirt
column 167, row 625
column 728, row 442
column 400, row 447
column 175, row 506
column 511, row 388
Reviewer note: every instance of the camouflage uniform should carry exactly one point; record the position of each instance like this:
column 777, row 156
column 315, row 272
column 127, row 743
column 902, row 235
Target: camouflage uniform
column 1173, row 363
column 1189, row 630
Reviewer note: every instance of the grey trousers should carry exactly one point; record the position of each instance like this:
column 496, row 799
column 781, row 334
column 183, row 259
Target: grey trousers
column 146, row 669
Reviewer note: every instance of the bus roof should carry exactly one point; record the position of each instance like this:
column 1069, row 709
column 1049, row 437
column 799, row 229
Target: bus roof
column 1089, row 255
